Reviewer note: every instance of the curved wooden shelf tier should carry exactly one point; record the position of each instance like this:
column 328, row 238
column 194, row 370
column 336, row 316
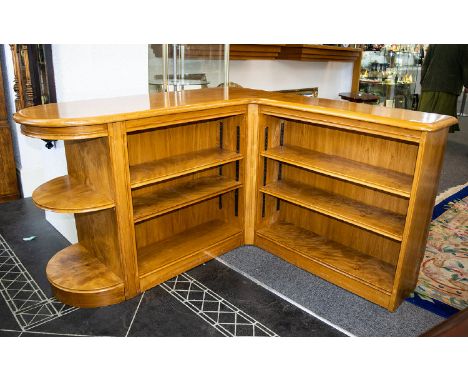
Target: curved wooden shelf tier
column 80, row 279
column 67, row 195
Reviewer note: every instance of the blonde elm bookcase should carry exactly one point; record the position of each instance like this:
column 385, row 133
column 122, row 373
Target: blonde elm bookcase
column 161, row 183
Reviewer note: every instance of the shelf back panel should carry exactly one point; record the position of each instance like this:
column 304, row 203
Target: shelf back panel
column 172, row 223
column 349, row 190
column 365, row 148
column 180, row 139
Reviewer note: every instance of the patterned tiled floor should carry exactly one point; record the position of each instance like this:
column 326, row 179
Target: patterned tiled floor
column 26, row 301
column 218, row 312
column 210, row 300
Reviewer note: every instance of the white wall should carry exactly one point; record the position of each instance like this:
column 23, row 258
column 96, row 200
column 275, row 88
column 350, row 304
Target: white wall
column 99, row 71
column 330, row 77
column 88, row 72
column 81, row 72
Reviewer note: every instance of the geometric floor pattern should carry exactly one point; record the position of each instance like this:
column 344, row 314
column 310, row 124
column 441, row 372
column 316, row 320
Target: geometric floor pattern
column 218, row 312
column 27, row 302
column 31, row 307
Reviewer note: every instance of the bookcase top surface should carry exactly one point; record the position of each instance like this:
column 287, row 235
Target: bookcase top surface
column 102, row 111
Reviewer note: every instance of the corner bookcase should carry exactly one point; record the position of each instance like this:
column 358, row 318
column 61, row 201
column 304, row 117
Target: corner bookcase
column 343, row 191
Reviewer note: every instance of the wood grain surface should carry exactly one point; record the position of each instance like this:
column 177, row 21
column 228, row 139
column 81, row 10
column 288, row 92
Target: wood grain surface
column 163, row 201
column 172, row 180
column 175, row 248
column 182, row 164
column 119, row 167
column 341, row 168
column 365, row 268
column 427, row 174
column 369, row 217
column 86, row 282
column 100, row 111
column 69, row 195
column 8, row 182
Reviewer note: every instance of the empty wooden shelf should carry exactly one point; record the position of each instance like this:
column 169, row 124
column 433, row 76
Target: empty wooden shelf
column 171, row 167
column 167, row 256
column 362, row 215
column 68, row 195
column 161, row 183
column 342, row 168
column 87, row 282
column 181, row 195
column 359, row 269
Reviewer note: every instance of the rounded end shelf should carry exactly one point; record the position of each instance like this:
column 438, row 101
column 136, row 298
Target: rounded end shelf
column 68, row 195
column 78, row 278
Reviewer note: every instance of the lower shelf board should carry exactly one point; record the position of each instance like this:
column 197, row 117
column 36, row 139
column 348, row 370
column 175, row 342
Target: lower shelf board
column 164, row 259
column 78, row 278
column 367, row 271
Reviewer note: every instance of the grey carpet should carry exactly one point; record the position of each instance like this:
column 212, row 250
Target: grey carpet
column 344, row 309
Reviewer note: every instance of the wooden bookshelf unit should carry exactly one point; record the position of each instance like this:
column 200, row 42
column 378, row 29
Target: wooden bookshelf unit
column 161, row 183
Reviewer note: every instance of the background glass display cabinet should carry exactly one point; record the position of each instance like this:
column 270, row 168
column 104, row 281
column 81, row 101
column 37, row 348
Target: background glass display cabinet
column 187, row 66
column 393, row 73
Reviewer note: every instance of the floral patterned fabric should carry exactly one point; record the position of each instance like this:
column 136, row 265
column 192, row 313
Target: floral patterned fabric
column 443, row 275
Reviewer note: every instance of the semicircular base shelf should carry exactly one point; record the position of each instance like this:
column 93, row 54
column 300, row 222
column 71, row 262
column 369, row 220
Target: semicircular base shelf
column 88, row 283
column 68, row 195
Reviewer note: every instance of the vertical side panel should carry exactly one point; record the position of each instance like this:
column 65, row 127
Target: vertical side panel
column 123, row 207
column 251, row 173
column 424, row 190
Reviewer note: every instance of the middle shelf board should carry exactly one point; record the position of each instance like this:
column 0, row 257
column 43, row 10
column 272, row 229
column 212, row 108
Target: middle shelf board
column 171, row 167
column 356, row 172
column 362, row 215
column 68, row 195
column 162, row 201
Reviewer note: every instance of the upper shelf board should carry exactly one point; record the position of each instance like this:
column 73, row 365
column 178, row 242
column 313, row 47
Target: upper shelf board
column 356, row 172
column 68, row 195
